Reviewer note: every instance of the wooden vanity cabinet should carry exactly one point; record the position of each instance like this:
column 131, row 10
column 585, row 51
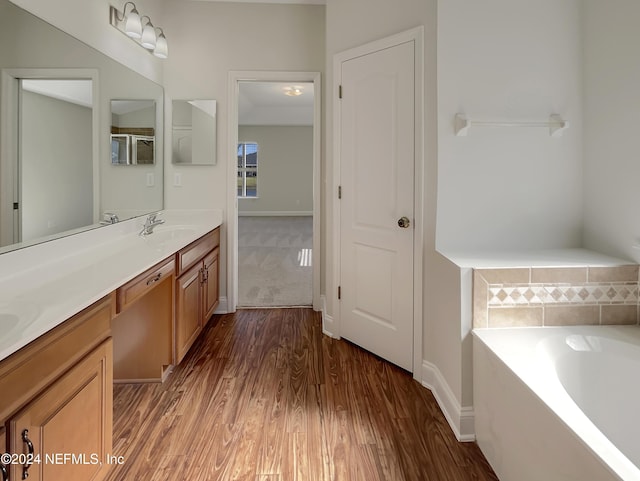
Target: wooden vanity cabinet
column 196, row 289
column 210, row 284
column 188, row 292
column 59, row 388
column 4, row 470
column 67, row 420
column 143, row 327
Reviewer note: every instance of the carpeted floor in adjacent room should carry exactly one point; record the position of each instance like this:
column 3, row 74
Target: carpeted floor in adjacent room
column 274, row 261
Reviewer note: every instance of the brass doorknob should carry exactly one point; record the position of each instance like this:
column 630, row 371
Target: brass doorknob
column 404, row 222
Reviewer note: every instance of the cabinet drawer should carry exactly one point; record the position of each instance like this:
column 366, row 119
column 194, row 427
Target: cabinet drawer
column 146, row 281
column 195, row 251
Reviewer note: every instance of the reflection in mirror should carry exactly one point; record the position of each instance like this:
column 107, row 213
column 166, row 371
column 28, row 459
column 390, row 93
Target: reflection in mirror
column 55, row 156
column 194, row 132
column 38, row 210
column 133, row 132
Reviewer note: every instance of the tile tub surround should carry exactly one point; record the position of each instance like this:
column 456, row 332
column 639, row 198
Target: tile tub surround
column 51, row 282
column 555, row 296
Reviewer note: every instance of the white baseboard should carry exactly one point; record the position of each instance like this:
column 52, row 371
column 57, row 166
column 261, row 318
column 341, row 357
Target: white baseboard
column 223, row 306
column 276, row 213
column 328, row 328
column 461, row 419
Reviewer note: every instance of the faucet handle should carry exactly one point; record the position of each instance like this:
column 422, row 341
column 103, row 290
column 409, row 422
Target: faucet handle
column 152, row 217
column 110, row 217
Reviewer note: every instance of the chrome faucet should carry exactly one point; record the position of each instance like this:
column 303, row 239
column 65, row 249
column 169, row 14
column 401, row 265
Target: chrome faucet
column 150, row 223
column 109, row 218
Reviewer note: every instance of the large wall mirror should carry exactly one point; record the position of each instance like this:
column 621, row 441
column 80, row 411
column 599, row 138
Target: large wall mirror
column 60, row 101
column 193, row 132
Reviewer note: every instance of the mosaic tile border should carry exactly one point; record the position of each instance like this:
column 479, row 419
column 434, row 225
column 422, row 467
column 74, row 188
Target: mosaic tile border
column 556, row 296
column 527, row 294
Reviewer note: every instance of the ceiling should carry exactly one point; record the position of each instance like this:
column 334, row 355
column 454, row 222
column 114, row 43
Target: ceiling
column 75, row 91
column 265, row 103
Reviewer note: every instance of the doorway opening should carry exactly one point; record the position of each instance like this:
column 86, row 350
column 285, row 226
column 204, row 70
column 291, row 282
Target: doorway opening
column 273, row 221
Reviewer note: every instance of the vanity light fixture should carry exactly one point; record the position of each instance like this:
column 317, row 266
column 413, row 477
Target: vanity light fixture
column 294, row 91
column 131, row 24
column 162, row 49
column 148, row 39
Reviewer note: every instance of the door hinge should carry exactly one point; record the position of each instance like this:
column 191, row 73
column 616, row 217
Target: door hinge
column 339, row 192
column 16, row 206
column 339, row 292
column 339, row 91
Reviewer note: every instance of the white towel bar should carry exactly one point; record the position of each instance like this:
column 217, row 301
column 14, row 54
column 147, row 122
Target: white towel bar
column 556, row 124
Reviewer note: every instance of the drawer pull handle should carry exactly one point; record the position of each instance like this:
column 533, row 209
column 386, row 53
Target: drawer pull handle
column 27, row 464
column 154, row 279
column 3, row 471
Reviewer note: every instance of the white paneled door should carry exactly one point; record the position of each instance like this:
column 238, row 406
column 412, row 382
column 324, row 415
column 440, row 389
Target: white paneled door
column 377, row 128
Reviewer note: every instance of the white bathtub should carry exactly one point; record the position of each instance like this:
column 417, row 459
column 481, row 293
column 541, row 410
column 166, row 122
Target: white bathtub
column 559, row 403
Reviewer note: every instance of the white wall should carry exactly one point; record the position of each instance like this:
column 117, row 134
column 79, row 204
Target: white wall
column 56, row 166
column 612, row 123
column 507, row 188
column 88, row 21
column 501, row 188
column 209, row 40
column 285, row 170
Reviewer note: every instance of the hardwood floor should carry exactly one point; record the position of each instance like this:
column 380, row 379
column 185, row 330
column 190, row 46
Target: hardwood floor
column 264, row 396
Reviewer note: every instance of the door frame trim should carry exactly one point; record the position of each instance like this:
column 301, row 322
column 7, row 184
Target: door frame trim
column 415, row 35
column 235, row 77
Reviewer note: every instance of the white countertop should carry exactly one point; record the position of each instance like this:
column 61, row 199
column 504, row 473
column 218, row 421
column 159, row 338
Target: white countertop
column 44, row 285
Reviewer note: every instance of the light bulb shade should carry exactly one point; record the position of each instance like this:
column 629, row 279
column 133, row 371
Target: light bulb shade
column 133, row 26
column 148, row 39
column 162, row 49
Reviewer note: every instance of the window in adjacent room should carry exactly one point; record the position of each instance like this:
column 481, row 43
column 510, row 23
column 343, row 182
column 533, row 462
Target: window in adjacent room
column 247, row 169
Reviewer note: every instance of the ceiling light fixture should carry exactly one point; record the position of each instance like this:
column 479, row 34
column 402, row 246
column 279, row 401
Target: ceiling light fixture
column 131, row 24
column 294, row 91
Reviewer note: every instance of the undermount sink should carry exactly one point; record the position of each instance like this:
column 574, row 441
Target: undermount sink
column 17, row 315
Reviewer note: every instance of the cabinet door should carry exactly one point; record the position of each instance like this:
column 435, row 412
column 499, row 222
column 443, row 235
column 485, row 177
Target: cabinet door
column 210, row 287
column 4, row 473
column 68, row 427
column 188, row 310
